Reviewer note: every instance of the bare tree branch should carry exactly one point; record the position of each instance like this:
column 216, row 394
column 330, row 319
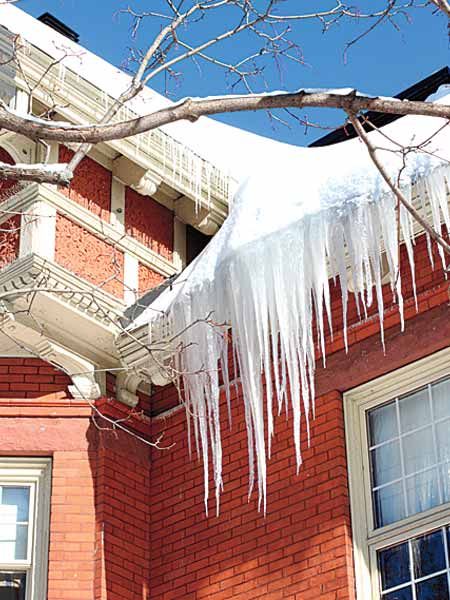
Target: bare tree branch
column 393, row 187
column 192, row 109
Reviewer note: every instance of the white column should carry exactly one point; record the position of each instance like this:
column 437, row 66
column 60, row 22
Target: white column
column 117, row 218
column 179, row 244
column 38, row 231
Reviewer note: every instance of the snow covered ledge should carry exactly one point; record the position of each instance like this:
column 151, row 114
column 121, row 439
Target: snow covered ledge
column 319, row 212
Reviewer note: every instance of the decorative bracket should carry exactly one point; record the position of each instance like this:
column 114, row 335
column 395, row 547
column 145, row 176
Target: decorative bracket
column 197, row 216
column 126, row 387
column 136, row 177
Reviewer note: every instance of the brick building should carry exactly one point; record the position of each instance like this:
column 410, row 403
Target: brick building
column 88, row 511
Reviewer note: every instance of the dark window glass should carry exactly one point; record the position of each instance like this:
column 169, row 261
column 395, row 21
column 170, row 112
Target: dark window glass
column 393, row 564
column 12, row 586
column 428, row 574
column 195, row 242
column 403, row 594
column 435, row 588
column 429, row 554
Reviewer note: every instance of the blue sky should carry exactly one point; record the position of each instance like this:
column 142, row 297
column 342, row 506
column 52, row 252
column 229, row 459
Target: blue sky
column 384, row 62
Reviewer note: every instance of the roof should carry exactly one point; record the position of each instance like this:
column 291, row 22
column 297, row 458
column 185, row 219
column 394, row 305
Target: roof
column 420, row 91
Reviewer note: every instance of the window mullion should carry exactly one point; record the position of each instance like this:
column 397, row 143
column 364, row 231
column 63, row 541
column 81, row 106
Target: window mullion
column 402, row 458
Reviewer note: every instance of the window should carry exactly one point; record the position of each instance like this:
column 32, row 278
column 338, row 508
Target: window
column 24, row 519
column 398, row 448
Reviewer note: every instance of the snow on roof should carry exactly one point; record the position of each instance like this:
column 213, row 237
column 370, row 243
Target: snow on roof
column 303, row 214
column 218, row 143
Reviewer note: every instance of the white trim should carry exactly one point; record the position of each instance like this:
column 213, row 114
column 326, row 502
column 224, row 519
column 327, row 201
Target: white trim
column 38, row 231
column 130, row 278
column 179, row 244
column 35, row 473
column 80, row 101
column 367, row 540
column 49, row 195
column 117, row 218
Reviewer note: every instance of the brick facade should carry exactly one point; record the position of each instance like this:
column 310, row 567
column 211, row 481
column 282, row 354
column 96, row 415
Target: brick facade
column 90, row 186
column 303, row 548
column 89, row 257
column 127, row 521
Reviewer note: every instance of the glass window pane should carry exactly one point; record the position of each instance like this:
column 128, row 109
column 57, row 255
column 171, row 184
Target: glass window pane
column 403, row 594
column 422, row 491
column 17, row 496
column 429, row 554
column 12, row 586
column 386, row 464
column 443, row 440
column 445, row 479
column 389, row 504
column 435, row 588
column 382, row 424
column 13, row 543
column 393, row 565
column 418, row 450
column 440, row 393
column 414, row 411
column 21, row 542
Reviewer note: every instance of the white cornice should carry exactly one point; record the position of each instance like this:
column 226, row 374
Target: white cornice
column 49, row 194
column 137, row 353
column 49, row 312
column 72, row 311
column 81, row 102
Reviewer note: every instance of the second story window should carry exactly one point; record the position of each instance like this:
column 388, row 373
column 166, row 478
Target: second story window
column 398, row 443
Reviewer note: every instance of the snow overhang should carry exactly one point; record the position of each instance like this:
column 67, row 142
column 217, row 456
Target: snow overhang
column 313, row 215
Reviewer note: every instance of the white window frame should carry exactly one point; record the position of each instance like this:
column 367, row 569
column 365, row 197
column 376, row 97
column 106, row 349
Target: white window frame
column 35, row 473
column 366, row 539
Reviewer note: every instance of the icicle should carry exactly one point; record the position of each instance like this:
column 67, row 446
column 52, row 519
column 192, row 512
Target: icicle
column 265, row 275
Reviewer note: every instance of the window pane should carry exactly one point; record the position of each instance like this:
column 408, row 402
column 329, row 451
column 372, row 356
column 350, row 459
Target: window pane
column 386, row 465
column 422, row 491
column 443, row 440
column 418, row 450
column 441, row 399
column 382, row 424
column 389, row 504
column 393, row 564
column 428, row 574
column 21, row 542
column 429, row 554
column 413, row 451
column 12, row 586
column 14, row 510
column 414, row 411
column 19, row 497
column 403, row 594
column 435, row 588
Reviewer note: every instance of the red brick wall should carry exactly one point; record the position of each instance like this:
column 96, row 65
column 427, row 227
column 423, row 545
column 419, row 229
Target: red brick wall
column 9, row 240
column 148, row 279
column 88, row 256
column 99, row 521
column 149, row 222
column 90, row 186
column 32, row 378
column 303, row 548
column 123, row 510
